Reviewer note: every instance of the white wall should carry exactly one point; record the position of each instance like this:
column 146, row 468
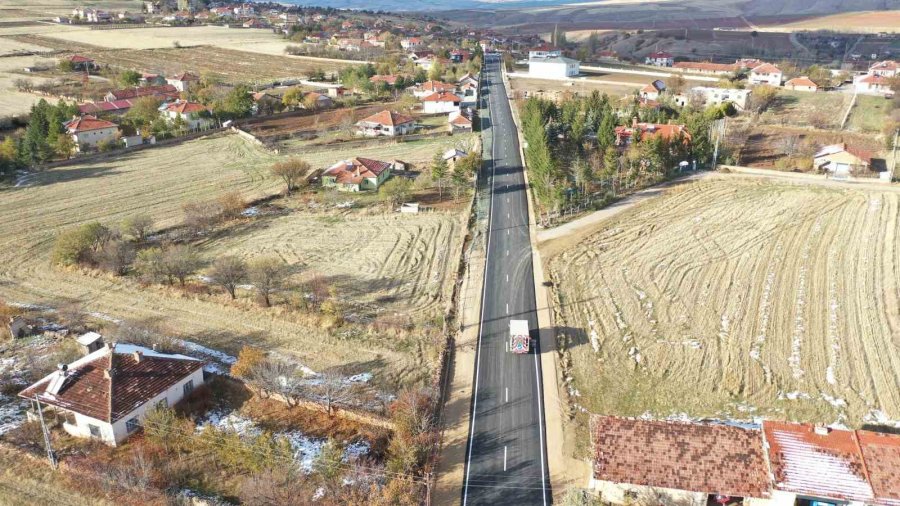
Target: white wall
column 552, row 69
column 618, row 493
column 93, row 137
column 173, row 395
column 771, row 79
column 439, row 107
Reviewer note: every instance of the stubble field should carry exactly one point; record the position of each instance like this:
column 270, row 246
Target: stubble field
column 739, row 298
column 404, row 258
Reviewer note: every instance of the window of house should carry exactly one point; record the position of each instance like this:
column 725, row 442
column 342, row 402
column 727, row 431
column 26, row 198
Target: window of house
column 189, row 387
column 95, row 430
column 132, row 425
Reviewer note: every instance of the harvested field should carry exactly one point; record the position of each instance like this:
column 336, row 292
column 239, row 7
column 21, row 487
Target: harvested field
column 804, row 109
column 310, row 123
column 158, row 182
column 417, row 152
column 856, row 22
column 231, row 64
column 614, row 85
column 738, row 297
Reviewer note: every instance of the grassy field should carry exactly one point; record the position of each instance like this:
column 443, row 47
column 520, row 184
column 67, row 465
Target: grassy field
column 856, row 22
column 416, row 152
column 869, row 114
column 738, row 298
column 158, row 182
column 26, row 482
column 549, row 88
column 803, row 109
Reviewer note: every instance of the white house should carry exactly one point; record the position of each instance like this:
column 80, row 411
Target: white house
column 182, row 82
column 802, row 83
column 659, row 59
column 872, row 83
column 359, row 174
column 195, row 116
column 653, row 90
column 87, row 131
column 106, row 394
column 431, row 87
column 553, row 67
column 887, row 68
column 714, row 96
column 766, row 74
column 544, row 51
column 440, row 102
column 459, row 121
column 387, row 123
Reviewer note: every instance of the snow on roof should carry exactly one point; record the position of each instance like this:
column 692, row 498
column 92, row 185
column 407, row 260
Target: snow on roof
column 823, row 465
column 89, row 338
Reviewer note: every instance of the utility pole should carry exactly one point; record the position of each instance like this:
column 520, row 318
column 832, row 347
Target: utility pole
column 51, row 455
column 894, row 158
column 428, row 476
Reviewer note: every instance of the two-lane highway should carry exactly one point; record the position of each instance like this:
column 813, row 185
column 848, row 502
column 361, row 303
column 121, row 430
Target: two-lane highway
column 506, row 455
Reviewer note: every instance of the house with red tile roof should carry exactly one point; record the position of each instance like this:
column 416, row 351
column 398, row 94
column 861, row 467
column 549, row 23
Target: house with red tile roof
column 801, row 84
column 440, row 102
column 430, row 87
column 81, row 63
column 887, row 68
column 459, row 121
column 873, row 84
column 659, row 59
column 358, row 174
column 389, row 123
column 195, row 115
column 106, row 394
column 841, row 160
column 88, row 131
column 644, row 131
column 389, row 79
column 766, row 74
column 183, row 82
column 114, row 107
column 653, row 90
column 162, row 92
column 685, row 462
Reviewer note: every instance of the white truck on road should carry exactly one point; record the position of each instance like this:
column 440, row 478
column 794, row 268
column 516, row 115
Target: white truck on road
column 519, row 339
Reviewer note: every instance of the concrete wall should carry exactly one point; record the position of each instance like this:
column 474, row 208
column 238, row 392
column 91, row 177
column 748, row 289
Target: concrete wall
column 94, row 137
column 623, row 493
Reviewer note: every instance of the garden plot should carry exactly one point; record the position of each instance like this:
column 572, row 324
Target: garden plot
column 733, row 297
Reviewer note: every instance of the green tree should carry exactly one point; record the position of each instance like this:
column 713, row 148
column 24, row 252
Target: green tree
column 129, row 78
column 76, row 245
column 439, row 170
column 237, row 103
column 138, row 226
column 143, row 112
column 64, row 145
column 395, row 191
column 436, row 72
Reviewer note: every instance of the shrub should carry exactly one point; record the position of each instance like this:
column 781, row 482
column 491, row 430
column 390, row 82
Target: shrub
column 76, row 245
column 248, row 359
column 231, row 205
column 137, row 226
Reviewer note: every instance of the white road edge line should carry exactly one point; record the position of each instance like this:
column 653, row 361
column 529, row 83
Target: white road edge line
column 504, row 459
column 481, row 323
column 507, row 394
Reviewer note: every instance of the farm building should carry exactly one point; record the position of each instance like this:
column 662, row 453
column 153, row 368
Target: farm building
column 715, row 96
column 775, row 464
column 801, row 84
column 659, row 59
column 388, row 123
column 553, row 67
column 841, row 160
column 766, row 74
column 440, row 102
column 320, row 100
column 389, row 79
column 82, row 63
column 87, row 131
column 705, row 67
column 687, row 463
column 106, row 394
column 358, row 174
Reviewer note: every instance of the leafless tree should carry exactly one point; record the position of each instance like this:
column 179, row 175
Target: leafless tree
column 116, row 256
column 228, row 272
column 267, row 275
column 202, row 216
column 137, row 226
column 291, row 171
column 789, row 144
column 180, row 262
column 332, row 389
column 281, row 377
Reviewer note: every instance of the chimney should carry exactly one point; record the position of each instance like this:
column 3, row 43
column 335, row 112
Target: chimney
column 107, row 373
column 634, row 122
column 63, row 369
column 822, row 430
column 138, row 356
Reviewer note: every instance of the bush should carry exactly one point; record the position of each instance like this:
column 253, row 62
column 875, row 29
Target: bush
column 248, row 359
column 231, row 205
column 137, row 226
column 116, row 256
column 77, row 245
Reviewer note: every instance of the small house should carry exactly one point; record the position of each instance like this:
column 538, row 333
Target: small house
column 88, row 131
column 82, row 63
column 440, row 102
column 873, row 84
column 106, row 394
column 162, row 92
column 643, row 131
column 388, row 123
column 196, row 116
column 452, row 155
column 887, row 68
column 801, row 84
column 544, row 51
column 841, row 161
column 90, row 342
column 459, row 121
column 321, row 101
column 766, row 74
column 431, row 87
column 358, row 174
column 653, row 90
column 183, row 82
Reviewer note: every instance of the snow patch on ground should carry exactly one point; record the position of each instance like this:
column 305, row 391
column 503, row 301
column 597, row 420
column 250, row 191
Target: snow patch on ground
column 250, row 212
column 12, row 413
column 878, row 417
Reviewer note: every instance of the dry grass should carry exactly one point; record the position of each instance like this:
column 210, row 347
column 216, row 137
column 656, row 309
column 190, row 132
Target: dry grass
column 28, row 482
column 866, row 22
column 738, row 298
column 158, row 182
column 614, row 85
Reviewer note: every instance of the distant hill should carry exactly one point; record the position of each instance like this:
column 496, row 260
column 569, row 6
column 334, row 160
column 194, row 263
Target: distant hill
column 576, row 14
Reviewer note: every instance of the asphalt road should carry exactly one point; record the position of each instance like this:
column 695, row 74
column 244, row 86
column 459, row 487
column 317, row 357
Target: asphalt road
column 506, row 455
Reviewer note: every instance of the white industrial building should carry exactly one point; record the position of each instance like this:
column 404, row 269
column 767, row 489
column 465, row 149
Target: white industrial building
column 553, row 67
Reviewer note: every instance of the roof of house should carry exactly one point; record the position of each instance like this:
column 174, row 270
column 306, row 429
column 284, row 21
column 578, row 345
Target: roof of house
column 545, row 48
column 454, row 153
column 553, row 59
column 874, row 79
column 185, row 107
column 111, row 106
column 660, row 54
column 885, row 65
column 654, row 87
column 801, row 81
column 833, row 149
column 384, row 78
column 85, row 387
column 459, row 120
column 707, row 66
column 766, row 68
column 165, row 90
column 441, row 96
column 88, row 338
column 653, row 129
column 354, row 171
column 436, row 86
column 699, row 457
column 77, row 58
column 881, row 453
column 387, row 118
column 86, row 123
column 805, row 462
column 187, row 76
